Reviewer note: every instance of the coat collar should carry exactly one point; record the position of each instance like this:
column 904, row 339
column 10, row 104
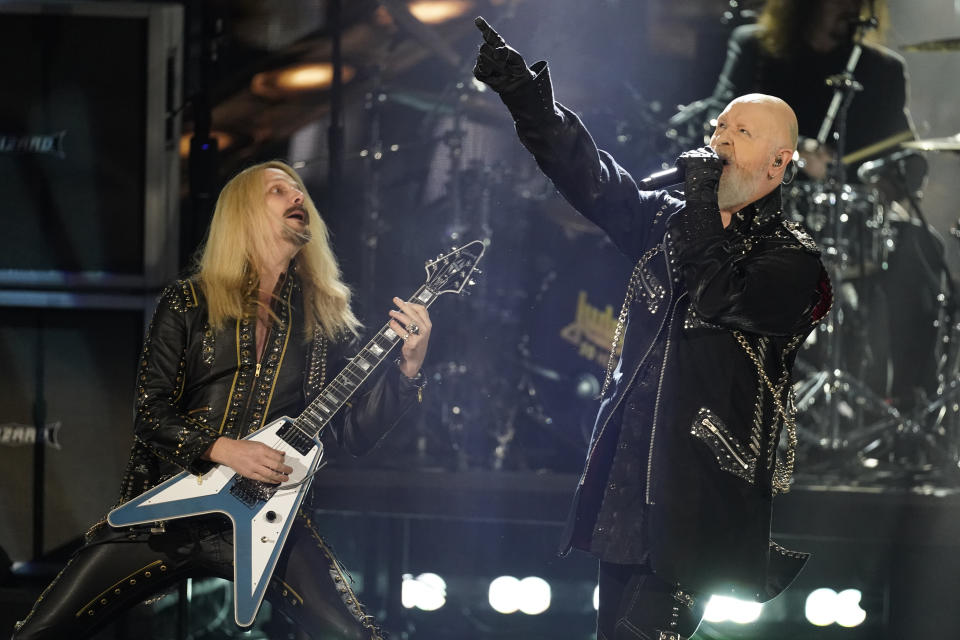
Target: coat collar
column 757, row 217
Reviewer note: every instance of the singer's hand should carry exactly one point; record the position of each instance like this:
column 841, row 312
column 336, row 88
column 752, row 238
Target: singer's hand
column 498, row 65
column 702, row 168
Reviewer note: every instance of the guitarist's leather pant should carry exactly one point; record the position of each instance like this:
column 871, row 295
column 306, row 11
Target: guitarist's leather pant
column 119, row 568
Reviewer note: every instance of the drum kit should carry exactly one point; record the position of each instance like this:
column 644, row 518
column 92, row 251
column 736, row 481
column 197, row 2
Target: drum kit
column 878, row 384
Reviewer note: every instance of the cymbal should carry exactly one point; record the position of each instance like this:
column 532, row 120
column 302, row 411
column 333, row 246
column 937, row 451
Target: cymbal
column 951, row 143
column 947, row 44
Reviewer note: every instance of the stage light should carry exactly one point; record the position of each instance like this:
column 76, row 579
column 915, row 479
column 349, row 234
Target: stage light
column 826, row 606
column 502, row 594
column 437, row 11
column 534, row 596
column 224, row 140
column 596, row 598
column 530, row 595
column 307, row 76
column 723, row 608
column 850, row 612
column 819, row 607
column 427, row 591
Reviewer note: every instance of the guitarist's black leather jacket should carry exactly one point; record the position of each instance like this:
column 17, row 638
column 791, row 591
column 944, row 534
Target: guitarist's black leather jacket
column 195, row 384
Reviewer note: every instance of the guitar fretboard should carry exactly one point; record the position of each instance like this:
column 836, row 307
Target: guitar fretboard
column 319, row 412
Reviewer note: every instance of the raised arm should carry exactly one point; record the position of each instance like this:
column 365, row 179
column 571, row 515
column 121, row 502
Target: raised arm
column 590, row 179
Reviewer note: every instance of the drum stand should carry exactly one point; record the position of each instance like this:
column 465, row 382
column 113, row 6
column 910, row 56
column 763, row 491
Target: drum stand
column 938, row 420
column 905, row 447
column 835, row 395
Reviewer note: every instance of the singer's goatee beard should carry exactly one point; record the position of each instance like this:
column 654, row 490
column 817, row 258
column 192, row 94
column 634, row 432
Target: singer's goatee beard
column 298, row 238
column 735, row 188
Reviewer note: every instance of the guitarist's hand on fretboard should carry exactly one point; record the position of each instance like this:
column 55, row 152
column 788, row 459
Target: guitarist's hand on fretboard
column 250, row 459
column 412, row 324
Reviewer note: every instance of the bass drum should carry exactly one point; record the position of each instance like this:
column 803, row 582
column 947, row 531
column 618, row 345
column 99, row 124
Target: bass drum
column 572, row 318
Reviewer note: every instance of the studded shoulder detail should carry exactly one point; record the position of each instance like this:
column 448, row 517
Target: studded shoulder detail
column 180, row 296
column 802, row 236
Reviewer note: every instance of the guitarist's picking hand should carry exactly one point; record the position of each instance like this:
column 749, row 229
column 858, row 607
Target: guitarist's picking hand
column 250, row 459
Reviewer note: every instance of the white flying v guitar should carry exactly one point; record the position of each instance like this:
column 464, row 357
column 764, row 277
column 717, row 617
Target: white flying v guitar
column 262, row 513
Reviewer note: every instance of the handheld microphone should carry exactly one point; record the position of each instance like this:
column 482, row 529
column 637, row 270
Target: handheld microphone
column 661, row 179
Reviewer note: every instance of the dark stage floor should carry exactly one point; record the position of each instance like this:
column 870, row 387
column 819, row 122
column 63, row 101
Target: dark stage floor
column 898, row 547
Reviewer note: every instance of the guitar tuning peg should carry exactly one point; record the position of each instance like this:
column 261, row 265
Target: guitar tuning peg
column 478, row 271
column 471, row 282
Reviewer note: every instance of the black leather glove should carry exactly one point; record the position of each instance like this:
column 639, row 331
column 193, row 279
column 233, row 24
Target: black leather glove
column 499, row 66
column 702, row 168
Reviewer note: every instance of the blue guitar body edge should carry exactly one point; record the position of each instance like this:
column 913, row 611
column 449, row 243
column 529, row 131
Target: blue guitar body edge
column 245, row 607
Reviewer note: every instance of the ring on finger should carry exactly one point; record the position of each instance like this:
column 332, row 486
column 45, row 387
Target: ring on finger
column 413, row 328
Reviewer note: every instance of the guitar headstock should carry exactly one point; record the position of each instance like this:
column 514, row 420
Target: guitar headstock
column 451, row 272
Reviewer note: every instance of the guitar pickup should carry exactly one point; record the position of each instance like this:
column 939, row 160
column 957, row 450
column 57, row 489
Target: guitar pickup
column 296, row 438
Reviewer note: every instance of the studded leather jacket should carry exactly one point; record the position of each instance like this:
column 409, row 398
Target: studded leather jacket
column 195, row 384
column 683, row 464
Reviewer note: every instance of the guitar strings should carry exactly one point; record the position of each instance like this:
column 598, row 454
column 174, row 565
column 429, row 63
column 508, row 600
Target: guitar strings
column 393, row 343
column 280, row 442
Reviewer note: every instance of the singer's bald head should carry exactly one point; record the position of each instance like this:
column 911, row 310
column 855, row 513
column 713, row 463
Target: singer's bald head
column 756, row 137
column 783, row 121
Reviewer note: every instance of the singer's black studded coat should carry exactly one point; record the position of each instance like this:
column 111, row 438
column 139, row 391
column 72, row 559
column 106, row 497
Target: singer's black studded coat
column 682, row 465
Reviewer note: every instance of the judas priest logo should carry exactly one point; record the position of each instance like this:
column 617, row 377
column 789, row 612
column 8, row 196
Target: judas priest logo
column 51, row 144
column 12, row 435
column 591, row 330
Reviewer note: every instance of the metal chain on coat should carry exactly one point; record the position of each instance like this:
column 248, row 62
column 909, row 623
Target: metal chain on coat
column 628, row 298
column 782, row 477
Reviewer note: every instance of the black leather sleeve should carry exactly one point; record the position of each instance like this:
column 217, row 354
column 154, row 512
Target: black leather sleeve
column 159, row 423
column 589, row 178
column 763, row 287
column 383, row 402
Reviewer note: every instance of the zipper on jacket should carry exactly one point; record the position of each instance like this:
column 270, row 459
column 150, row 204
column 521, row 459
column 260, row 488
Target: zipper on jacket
column 613, row 410
column 715, row 431
column 253, row 387
column 656, row 404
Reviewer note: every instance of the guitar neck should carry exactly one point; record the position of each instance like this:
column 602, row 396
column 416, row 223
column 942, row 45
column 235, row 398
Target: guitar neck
column 319, row 412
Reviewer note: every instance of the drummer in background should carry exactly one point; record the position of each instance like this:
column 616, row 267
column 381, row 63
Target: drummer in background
column 791, row 51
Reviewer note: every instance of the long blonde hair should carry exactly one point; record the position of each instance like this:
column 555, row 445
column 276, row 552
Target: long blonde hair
column 237, row 241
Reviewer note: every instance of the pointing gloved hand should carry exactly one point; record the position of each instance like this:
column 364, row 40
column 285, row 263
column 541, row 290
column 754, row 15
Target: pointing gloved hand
column 702, row 168
column 499, row 66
